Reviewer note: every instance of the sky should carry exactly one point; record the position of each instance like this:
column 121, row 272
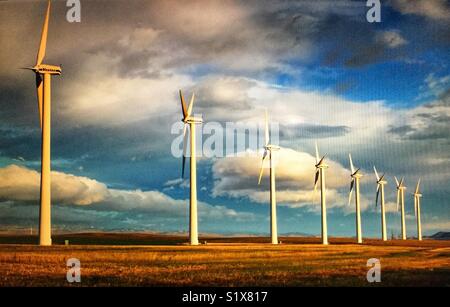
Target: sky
column 380, row 91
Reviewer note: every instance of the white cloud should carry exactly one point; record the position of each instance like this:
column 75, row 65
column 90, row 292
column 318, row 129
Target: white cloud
column 391, row 39
column 238, row 176
column 19, row 183
column 433, row 9
column 22, row 184
column 433, row 226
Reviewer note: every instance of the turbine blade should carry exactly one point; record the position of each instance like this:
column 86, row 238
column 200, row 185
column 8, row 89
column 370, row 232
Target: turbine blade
column 191, row 105
column 43, row 44
column 317, row 154
column 185, row 140
column 415, row 206
column 378, row 193
column 396, row 181
column 417, row 187
column 351, row 163
column 262, row 167
column 351, row 192
column 183, row 106
column 401, row 181
column 40, row 94
column 266, row 130
column 183, row 166
column 376, row 173
column 316, row 179
column 321, row 159
column 398, row 199
column 350, row 197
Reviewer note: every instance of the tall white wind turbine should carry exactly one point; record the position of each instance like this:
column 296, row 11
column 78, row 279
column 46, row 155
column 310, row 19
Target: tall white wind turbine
column 417, row 196
column 380, row 194
column 43, row 74
column 354, row 184
column 401, row 201
column 320, row 173
column 191, row 121
column 268, row 151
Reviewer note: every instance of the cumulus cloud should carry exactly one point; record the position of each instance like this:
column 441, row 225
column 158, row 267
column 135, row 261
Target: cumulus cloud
column 433, row 9
column 20, row 184
column 238, row 176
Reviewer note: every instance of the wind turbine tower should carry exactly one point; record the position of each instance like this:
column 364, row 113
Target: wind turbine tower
column 354, row 184
column 191, row 121
column 417, row 196
column 43, row 73
column 320, row 173
column 380, row 193
column 401, row 201
column 269, row 150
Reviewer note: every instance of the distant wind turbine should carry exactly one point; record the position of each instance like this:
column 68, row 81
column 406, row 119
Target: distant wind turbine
column 43, row 74
column 268, row 150
column 191, row 121
column 354, row 184
column 401, row 200
column 320, row 173
column 380, row 192
column 417, row 196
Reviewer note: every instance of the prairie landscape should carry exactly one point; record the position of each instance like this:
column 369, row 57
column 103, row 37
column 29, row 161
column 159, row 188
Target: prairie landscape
column 158, row 260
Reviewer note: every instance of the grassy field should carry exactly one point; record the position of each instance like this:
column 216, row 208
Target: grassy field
column 222, row 262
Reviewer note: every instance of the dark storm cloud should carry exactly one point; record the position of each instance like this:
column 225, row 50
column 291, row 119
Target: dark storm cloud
column 111, row 143
column 312, row 131
column 430, row 122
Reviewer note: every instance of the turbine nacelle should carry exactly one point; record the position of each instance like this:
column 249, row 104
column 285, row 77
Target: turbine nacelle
column 357, row 174
column 192, row 120
column 187, row 119
column 320, row 162
column 47, row 69
column 417, row 191
column 400, row 185
column 354, row 173
column 267, row 147
column 271, row 147
column 382, row 181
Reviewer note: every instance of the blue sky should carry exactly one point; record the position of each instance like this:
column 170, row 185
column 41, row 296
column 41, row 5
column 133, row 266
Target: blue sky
column 377, row 90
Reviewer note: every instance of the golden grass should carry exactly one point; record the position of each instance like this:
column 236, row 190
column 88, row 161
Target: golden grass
column 221, row 264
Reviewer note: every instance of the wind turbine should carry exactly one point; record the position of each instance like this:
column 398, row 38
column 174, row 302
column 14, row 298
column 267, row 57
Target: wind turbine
column 417, row 196
column 380, row 190
column 191, row 121
column 268, row 150
column 401, row 199
column 43, row 74
column 320, row 172
column 356, row 176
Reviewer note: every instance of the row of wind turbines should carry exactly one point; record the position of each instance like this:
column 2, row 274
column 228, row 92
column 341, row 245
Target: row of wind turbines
column 43, row 74
column 356, row 176
column 321, row 166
